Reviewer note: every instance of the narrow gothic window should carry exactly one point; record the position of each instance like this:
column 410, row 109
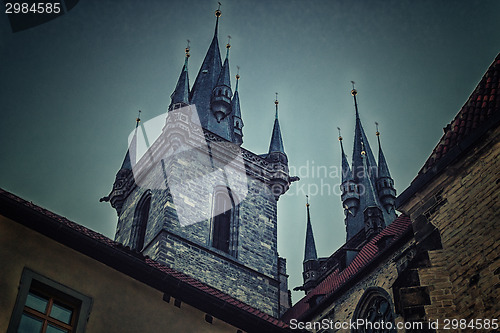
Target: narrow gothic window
column 221, row 232
column 140, row 222
column 376, row 311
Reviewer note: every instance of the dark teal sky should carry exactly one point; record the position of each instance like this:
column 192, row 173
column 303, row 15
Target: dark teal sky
column 70, row 90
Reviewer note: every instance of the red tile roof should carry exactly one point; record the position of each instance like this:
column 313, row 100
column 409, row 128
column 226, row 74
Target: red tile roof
column 479, row 109
column 202, row 287
column 368, row 253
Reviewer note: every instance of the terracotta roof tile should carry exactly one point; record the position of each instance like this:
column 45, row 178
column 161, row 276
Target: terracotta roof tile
column 337, row 278
column 482, row 104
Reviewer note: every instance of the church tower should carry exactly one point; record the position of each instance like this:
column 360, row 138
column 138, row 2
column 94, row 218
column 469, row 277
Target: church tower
column 201, row 204
column 368, row 193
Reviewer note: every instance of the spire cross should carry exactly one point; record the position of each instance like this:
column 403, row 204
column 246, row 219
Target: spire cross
column 340, row 135
column 377, row 133
column 219, row 5
column 307, row 200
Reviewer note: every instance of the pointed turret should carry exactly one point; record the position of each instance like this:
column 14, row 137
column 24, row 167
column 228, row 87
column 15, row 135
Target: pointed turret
column 310, row 263
column 350, row 195
column 310, row 248
column 222, row 94
column 124, row 177
column 385, row 184
column 237, row 121
column 207, row 77
column 280, row 181
column 180, row 96
column 276, row 145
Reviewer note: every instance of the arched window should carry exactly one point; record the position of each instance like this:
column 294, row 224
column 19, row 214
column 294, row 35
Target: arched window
column 140, row 224
column 376, row 310
column 221, row 221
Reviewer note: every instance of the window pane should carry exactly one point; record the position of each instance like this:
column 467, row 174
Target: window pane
column 55, row 329
column 36, row 302
column 29, row 324
column 61, row 313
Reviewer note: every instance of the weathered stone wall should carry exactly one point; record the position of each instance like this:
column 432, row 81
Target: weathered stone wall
column 463, row 277
column 383, row 276
column 179, row 229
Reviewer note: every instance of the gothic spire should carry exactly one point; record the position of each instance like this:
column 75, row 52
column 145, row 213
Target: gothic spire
column 310, row 248
column 236, row 98
column 181, row 92
column 383, row 169
column 346, row 169
column 361, row 144
column 130, row 156
column 276, row 145
column 235, row 106
column 207, row 76
column 224, row 77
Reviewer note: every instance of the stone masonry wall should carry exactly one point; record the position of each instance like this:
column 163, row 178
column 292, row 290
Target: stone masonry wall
column 250, row 271
column 463, row 204
column 383, row 276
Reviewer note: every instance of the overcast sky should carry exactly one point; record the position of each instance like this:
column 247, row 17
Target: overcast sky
column 70, row 90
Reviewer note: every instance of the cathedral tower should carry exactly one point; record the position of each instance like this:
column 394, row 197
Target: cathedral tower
column 200, row 203
column 368, row 192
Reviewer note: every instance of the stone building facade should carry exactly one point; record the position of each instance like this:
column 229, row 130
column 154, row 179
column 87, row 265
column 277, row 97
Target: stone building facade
column 436, row 267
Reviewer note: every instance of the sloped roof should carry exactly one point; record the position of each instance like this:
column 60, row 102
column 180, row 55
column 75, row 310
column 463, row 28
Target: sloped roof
column 139, row 267
column 337, row 279
column 483, row 103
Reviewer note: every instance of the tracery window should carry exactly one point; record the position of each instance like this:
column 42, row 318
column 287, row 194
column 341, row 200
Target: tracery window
column 376, row 310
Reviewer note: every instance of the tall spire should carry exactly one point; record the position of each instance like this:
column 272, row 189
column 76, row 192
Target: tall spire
column 235, row 106
column 207, row 77
column 276, row 145
column 222, row 94
column 346, row 170
column 310, row 247
column 361, row 144
column 180, row 96
column 385, row 185
column 124, row 179
column 383, row 169
column 130, row 156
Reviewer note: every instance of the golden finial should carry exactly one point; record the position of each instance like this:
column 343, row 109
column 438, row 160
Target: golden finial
column 276, row 100
column 307, row 201
column 238, row 73
column 218, row 13
column 377, row 133
column 228, row 45
column 340, row 136
column 187, row 49
column 363, row 148
column 138, row 119
column 354, row 92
